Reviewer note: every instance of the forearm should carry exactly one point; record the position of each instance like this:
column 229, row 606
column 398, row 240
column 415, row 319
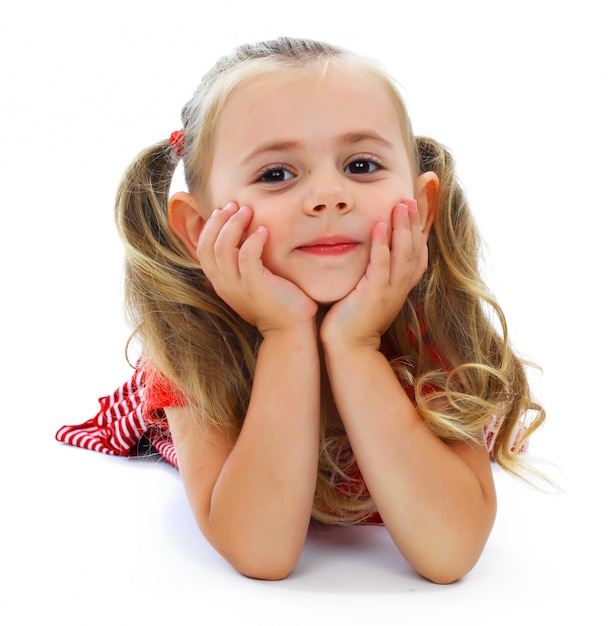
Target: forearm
column 434, row 504
column 262, row 500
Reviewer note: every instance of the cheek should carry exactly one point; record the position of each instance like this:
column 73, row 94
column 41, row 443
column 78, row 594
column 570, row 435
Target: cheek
column 380, row 206
column 272, row 214
column 277, row 235
column 384, row 204
column 222, row 187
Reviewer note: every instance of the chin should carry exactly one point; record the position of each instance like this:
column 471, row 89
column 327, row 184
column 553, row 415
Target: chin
column 327, row 292
column 327, row 299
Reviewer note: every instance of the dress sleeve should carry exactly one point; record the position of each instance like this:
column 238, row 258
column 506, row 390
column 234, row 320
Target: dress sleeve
column 161, row 393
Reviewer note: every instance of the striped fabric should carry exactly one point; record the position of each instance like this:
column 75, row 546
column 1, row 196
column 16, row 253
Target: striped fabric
column 135, row 411
column 123, row 420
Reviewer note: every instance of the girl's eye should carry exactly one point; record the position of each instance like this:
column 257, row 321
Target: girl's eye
column 362, row 166
column 275, row 174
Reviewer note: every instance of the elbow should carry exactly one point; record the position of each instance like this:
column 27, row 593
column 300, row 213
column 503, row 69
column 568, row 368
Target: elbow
column 257, row 558
column 262, row 568
column 443, row 577
column 253, row 554
column 446, row 571
column 265, row 573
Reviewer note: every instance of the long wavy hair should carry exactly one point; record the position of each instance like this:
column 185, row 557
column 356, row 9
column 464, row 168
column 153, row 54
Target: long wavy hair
column 449, row 344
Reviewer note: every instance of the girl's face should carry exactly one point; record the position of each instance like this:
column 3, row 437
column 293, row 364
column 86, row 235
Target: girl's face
column 320, row 162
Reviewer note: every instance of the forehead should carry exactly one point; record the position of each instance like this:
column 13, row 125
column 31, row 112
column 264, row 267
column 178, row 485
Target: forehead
column 310, row 104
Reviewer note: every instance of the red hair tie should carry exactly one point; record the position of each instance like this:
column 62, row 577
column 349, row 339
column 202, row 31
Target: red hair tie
column 177, row 142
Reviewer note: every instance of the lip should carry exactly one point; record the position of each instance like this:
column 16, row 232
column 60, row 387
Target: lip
column 329, row 246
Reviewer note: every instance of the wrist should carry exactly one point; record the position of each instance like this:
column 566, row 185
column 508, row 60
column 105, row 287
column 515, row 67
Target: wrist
column 347, row 347
column 298, row 332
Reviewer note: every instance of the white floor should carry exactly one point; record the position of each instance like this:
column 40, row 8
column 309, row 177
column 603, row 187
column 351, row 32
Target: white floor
column 113, row 539
column 517, row 93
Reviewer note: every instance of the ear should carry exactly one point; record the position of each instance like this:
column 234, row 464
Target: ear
column 186, row 219
column 427, row 197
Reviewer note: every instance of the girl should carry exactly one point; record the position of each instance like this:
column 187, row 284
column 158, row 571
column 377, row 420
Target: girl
column 317, row 340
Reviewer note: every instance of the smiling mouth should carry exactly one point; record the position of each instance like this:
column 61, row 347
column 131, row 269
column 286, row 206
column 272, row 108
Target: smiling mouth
column 329, row 247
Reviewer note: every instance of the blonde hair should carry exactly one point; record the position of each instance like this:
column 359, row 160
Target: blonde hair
column 209, row 353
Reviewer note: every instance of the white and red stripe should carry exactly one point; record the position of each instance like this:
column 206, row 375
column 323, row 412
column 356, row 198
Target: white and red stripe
column 122, row 421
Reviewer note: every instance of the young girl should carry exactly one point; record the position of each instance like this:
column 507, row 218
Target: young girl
column 317, row 340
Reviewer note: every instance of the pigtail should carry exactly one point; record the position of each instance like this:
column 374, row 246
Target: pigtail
column 153, row 252
column 471, row 372
column 141, row 213
column 189, row 334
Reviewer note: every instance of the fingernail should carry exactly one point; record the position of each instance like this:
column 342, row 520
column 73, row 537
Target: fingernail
column 411, row 204
column 403, row 209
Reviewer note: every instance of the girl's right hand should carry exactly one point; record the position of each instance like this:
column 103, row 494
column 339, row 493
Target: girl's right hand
column 235, row 269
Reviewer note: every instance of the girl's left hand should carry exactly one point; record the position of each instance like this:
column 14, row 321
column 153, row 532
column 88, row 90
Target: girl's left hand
column 394, row 269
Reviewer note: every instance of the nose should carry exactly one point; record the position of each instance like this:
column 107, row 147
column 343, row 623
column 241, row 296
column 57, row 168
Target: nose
column 327, row 194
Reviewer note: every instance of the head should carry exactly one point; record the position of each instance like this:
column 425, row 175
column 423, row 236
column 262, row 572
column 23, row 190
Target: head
column 299, row 129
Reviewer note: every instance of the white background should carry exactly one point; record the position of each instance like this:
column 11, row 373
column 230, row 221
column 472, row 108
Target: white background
column 516, row 90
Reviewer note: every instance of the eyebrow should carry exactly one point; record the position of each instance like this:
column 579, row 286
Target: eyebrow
column 366, row 135
column 272, row 146
column 346, row 139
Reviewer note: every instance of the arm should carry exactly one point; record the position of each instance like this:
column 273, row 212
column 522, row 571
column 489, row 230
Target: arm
column 252, row 497
column 436, row 499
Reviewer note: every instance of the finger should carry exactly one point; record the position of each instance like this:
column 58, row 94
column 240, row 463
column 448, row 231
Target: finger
column 231, row 234
column 418, row 238
column 407, row 244
column 250, row 262
column 401, row 242
column 217, row 221
column 417, row 259
column 229, row 239
column 415, row 226
column 208, row 237
column 406, row 240
column 380, row 255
